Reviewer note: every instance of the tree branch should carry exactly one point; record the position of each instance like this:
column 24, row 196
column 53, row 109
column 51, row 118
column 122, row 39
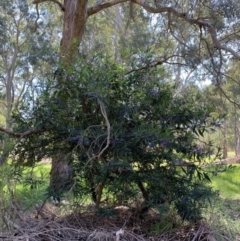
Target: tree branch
column 201, row 22
column 54, row 1
column 24, row 134
column 152, row 64
column 227, row 97
column 3, row 103
column 102, row 6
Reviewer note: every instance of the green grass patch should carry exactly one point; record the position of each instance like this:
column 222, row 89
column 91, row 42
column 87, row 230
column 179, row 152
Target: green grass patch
column 2, row 119
column 213, row 157
column 39, row 170
column 33, row 185
column 223, row 217
column 224, row 213
column 231, row 154
column 228, row 183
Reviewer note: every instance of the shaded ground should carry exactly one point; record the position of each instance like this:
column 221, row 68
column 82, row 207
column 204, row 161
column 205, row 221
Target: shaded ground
column 227, row 207
column 49, row 225
column 91, row 227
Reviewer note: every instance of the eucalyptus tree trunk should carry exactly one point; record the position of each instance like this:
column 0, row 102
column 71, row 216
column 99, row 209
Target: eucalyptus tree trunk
column 224, row 143
column 75, row 17
column 236, row 132
column 9, row 99
column 117, row 27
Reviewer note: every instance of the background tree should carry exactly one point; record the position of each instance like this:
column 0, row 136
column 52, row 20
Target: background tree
column 25, row 62
column 193, row 14
column 225, row 95
column 232, row 85
column 24, row 51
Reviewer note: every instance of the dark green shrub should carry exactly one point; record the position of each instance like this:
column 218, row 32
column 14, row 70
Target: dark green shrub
column 127, row 136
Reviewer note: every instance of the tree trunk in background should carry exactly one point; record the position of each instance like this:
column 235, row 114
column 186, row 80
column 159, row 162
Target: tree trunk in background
column 225, row 149
column 237, row 145
column 61, row 175
column 10, row 71
column 236, row 132
column 224, row 130
column 117, row 27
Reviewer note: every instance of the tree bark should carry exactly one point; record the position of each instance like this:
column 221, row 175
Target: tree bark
column 236, row 132
column 61, row 178
column 225, row 149
column 75, row 17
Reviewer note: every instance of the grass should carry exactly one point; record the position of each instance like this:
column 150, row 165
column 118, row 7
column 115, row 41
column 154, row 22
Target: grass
column 228, row 183
column 35, row 182
column 231, row 154
column 33, row 186
column 224, row 215
column 38, row 169
column 2, row 119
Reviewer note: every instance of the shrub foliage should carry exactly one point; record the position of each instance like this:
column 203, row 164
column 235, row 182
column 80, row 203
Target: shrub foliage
column 126, row 136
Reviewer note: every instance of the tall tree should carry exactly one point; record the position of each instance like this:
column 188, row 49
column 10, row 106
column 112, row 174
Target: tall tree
column 201, row 18
column 24, row 48
column 202, row 44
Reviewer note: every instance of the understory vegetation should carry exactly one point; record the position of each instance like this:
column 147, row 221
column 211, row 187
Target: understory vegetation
column 23, row 198
column 127, row 141
column 119, row 120
column 125, row 137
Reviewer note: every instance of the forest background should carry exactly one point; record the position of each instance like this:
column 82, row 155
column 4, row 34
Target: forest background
column 122, row 90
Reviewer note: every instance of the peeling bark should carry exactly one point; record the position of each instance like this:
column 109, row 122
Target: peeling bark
column 75, row 17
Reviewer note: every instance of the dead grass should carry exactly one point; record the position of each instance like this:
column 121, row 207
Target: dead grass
column 48, row 225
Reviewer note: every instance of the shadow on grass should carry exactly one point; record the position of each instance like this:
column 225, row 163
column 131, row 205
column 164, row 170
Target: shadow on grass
column 225, row 211
column 224, row 217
